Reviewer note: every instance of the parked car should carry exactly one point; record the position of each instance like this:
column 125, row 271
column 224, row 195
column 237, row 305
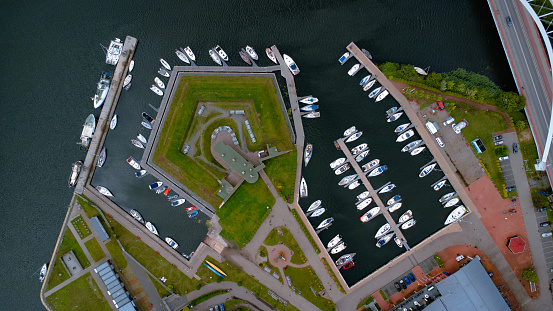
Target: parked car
column 515, row 148
column 406, row 279
column 490, row 274
column 503, row 158
column 440, row 141
column 402, row 284
column 544, row 235
column 448, row 121
column 545, row 224
column 509, row 21
column 498, row 142
column 222, row 307
column 412, row 277
column 543, row 209
column 498, row 137
column 398, row 288
column 509, row 189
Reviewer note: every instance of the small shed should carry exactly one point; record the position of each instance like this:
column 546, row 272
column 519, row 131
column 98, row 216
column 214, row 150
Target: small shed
column 99, row 228
column 516, row 245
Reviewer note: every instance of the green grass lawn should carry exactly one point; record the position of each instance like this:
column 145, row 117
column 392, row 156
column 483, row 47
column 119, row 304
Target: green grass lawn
column 224, row 90
column 207, row 296
column 365, row 301
column 117, row 254
column 69, row 243
column 282, row 172
column 481, row 125
column 87, row 206
column 152, row 261
column 81, row 294
column 304, row 279
column 236, row 275
column 82, row 228
column 57, row 275
column 248, row 208
column 160, row 289
column 305, row 231
column 287, row 239
column 94, row 249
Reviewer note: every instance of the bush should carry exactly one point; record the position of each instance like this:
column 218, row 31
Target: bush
column 219, row 279
column 439, row 261
column 501, row 151
column 239, row 283
column 262, row 254
column 530, row 275
column 170, row 287
column 198, row 286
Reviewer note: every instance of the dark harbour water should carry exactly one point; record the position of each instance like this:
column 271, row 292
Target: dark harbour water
column 52, row 59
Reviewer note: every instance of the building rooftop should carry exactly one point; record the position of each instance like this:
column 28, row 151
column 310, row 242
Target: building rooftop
column 240, row 165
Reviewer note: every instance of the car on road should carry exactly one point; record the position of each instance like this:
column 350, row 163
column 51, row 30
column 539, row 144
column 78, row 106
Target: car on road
column 545, row 224
column 503, row 158
column 498, row 137
column 448, row 121
column 515, row 147
column 406, row 279
column 402, row 284
column 412, row 277
column 398, row 288
column 498, row 142
column 543, row 209
column 222, row 307
column 509, row 189
column 509, row 21
column 546, row 234
column 440, row 141
column 490, row 274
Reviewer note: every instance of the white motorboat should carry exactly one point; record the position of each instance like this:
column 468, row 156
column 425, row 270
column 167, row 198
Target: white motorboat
column 315, row 205
column 365, row 80
column 271, row 55
column 446, row 197
column 141, row 173
column 337, row 163
column 75, row 171
column 361, row 206
column 439, row 185
column 131, row 65
column 308, row 153
column 325, row 223
column 42, row 274
column 150, row 226
column 391, row 111
column 394, row 207
column 451, row 202
column 354, row 69
column 113, row 122
column 344, row 259
column 182, row 56
column 312, row 115
column 410, row 146
column 309, row 108
column 358, row 149
column 347, row 180
column 214, row 57
column 354, row 185
column 398, row 241
column 334, row 241
column 164, row 72
column 159, row 83
column 102, row 89
column 405, row 136
column 114, row 51
column 393, row 200
column 395, row 116
column 101, row 158
column 137, row 143
column 368, row 86
column 338, row 248
column 318, row 212
column 387, row 188
column 155, row 185
column 136, row 215
column 370, row 214
column 309, row 100
column 141, row 138
column 342, row 169
column 410, row 223
column 171, row 242
column 303, row 188
column 291, row 64
column 132, row 162
column 425, row 171
column 165, row 64
column 405, row 216
column 382, row 231
column 361, row 156
column 382, row 95
column 374, row 92
column 371, row 165
column 385, row 239
column 420, row 71
column 251, row 52
column 350, row 131
column 189, row 53
column 401, row 127
column 354, row 137
column 377, row 171
column 456, row 214
column 127, row 81
column 221, row 53
column 417, row 150
column 363, row 195
column 156, row 90
column 104, row 191
column 344, row 58
column 146, row 124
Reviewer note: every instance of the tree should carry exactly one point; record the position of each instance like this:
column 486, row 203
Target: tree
column 501, row 151
column 510, row 101
column 407, row 72
column 443, row 85
column 389, row 69
column 521, row 125
column 450, row 85
column 530, row 275
column 434, row 80
column 460, row 87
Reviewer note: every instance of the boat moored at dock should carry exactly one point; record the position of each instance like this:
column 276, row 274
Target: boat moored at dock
column 113, row 122
column 393, row 200
column 361, row 156
column 155, row 185
column 303, row 188
column 156, row 90
column 308, row 153
column 456, row 214
column 342, row 169
column 410, row 223
column 385, row 239
column 365, row 80
column 371, row 165
column 104, row 191
column 338, row 248
column 182, row 56
column 101, row 158
column 171, row 242
column 336, row 163
column 271, row 55
column 309, row 100
column 42, row 273
column 370, row 214
column 417, row 150
column 159, row 83
column 377, row 171
column 412, row 145
column 354, row 69
column 189, row 53
column 405, row 216
column 350, row 131
column 245, row 57
column 150, row 226
column 425, row 171
column 395, row 207
column 354, row 137
column 88, row 131
column 452, row 202
column 165, row 64
column 291, row 64
column 394, row 117
column 368, row 86
column 251, row 52
column 401, row 128
column 344, row 259
column 382, row 231
column 325, row 223
column 334, row 241
column 446, row 197
column 360, row 148
column 114, row 51
column 221, row 52
column 75, row 171
column 387, row 188
column 382, row 95
column 403, row 137
column 137, row 143
column 309, row 108
column 177, row 202
column 315, row 205
column 132, row 162
column 439, row 185
column 318, row 212
column 102, row 89
column 136, row 215
column 344, row 58
column 361, row 206
column 374, row 92
column 215, row 57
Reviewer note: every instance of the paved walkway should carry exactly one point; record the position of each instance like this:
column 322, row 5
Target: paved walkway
column 146, row 283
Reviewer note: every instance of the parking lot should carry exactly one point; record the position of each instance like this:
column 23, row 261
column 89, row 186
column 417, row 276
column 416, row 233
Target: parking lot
column 508, row 140
column 390, row 289
column 546, row 242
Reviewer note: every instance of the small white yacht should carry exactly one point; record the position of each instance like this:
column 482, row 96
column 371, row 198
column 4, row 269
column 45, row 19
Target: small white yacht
column 190, row 54
column 251, row 52
column 344, row 58
column 403, row 137
column 165, row 64
column 291, row 64
column 354, row 69
column 221, row 53
column 456, row 214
